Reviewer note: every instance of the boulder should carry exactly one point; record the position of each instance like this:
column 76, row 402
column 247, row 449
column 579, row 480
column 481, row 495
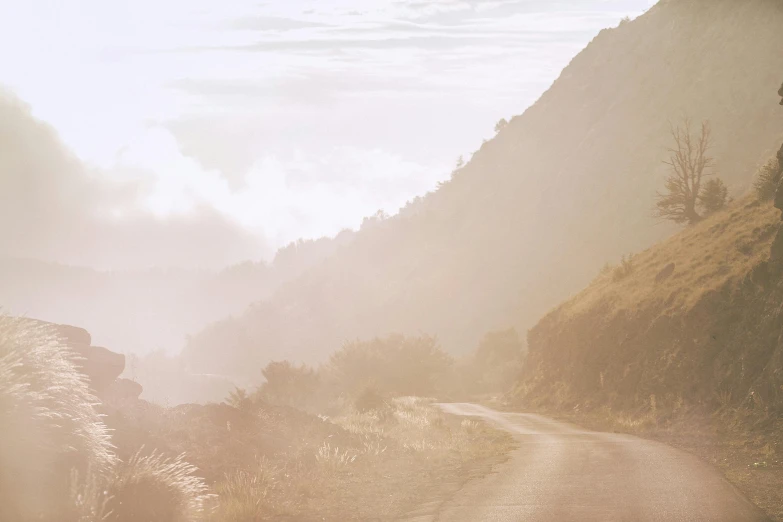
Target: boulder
column 100, row 365
column 70, row 335
column 123, row 389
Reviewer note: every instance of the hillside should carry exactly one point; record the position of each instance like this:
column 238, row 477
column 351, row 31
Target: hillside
column 684, row 344
column 708, row 333
column 539, row 208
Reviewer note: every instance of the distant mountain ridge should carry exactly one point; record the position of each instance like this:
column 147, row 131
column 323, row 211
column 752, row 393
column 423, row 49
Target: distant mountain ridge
column 140, row 311
column 564, row 188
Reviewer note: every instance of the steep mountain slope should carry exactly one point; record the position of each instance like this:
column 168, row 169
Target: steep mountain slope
column 564, row 187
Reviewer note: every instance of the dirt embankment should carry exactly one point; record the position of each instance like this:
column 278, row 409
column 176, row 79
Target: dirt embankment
column 682, row 343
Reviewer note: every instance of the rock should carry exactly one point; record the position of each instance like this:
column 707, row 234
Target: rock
column 123, row 389
column 71, row 335
column 102, row 366
column 665, row 274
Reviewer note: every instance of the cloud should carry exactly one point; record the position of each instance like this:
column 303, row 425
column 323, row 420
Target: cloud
column 270, row 24
column 307, row 86
column 294, row 192
column 53, row 207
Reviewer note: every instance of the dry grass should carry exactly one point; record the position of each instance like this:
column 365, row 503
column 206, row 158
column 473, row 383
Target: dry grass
column 154, row 488
column 49, row 424
column 263, row 462
column 723, row 247
column 391, row 450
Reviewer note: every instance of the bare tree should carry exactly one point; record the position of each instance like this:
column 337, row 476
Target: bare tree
column 689, row 164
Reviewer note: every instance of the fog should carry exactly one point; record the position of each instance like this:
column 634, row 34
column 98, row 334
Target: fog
column 53, row 207
column 342, row 260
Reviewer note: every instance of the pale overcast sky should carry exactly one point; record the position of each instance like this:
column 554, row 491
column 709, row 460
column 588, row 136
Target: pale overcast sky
column 294, row 118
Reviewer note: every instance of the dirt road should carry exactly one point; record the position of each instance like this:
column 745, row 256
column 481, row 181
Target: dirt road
column 562, row 473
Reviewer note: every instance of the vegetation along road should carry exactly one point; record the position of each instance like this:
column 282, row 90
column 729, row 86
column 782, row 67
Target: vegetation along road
column 561, row 472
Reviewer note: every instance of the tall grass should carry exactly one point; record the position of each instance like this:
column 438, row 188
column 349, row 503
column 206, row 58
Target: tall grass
column 49, row 424
column 56, row 459
column 154, row 488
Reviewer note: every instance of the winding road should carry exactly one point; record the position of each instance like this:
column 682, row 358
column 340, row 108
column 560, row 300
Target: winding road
column 563, row 473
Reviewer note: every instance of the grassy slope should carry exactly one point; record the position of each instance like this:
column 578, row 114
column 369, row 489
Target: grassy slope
column 695, row 360
column 710, row 333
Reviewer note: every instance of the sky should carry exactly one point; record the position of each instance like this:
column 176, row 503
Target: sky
column 287, row 118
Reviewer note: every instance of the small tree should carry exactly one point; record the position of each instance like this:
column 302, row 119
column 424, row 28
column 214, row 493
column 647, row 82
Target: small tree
column 689, row 164
column 500, row 125
column 393, row 365
column 289, row 384
column 714, row 196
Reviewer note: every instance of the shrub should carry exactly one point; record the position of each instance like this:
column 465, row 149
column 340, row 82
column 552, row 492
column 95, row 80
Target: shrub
column 714, row 196
column 767, row 180
column 395, row 365
column 48, row 425
column 239, row 399
column 245, row 497
column 370, row 400
column 625, row 269
column 289, row 384
column 153, row 488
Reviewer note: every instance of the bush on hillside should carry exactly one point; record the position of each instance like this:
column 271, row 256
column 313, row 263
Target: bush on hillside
column 240, row 399
column 714, row 196
column 395, row 365
column 50, row 429
column 767, row 180
column 153, row 488
column 245, row 497
column 625, row 269
column 289, row 384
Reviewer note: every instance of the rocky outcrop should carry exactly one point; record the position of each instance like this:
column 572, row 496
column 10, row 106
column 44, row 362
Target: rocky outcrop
column 101, row 366
column 123, row 389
